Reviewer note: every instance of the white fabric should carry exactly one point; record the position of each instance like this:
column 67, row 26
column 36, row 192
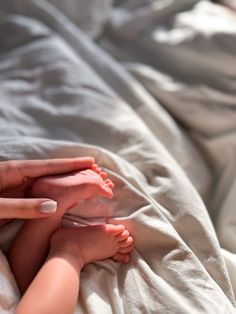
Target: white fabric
column 160, row 118
column 9, row 293
column 230, row 260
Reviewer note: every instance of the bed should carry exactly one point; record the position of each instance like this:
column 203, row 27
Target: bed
column 148, row 89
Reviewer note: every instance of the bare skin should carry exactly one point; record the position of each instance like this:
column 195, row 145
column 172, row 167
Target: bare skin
column 73, row 187
column 89, row 242
column 18, row 176
column 31, row 246
column 57, row 282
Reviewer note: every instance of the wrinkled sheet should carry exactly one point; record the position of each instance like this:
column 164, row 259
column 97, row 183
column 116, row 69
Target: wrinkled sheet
column 148, row 88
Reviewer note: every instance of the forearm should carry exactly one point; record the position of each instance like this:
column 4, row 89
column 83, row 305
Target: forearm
column 30, row 249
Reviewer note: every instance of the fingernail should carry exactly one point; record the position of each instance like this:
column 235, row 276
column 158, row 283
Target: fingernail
column 48, row 207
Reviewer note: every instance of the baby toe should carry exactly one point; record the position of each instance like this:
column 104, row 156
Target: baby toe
column 125, row 250
column 115, row 229
column 123, row 236
column 126, row 242
column 96, row 168
column 122, row 258
column 109, row 183
column 103, row 174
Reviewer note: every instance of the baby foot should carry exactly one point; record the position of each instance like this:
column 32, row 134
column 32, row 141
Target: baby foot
column 71, row 188
column 122, row 255
column 93, row 243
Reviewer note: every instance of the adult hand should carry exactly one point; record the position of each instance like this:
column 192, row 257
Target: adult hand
column 17, row 177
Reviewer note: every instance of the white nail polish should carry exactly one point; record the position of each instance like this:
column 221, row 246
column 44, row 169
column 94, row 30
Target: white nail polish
column 48, row 207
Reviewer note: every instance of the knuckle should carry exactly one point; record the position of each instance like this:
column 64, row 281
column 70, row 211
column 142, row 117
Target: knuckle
column 6, row 170
column 24, row 209
column 22, row 205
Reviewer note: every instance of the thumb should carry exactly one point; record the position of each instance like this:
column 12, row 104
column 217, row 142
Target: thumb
column 26, row 208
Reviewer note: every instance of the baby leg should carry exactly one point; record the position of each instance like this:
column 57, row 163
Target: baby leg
column 31, row 246
column 57, row 282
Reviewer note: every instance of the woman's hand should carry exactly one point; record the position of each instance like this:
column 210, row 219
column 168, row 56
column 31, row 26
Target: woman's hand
column 17, row 177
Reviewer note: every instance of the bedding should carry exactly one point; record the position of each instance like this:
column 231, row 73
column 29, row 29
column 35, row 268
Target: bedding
column 148, row 89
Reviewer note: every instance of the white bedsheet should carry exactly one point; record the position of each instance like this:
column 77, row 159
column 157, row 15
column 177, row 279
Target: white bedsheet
column 156, row 107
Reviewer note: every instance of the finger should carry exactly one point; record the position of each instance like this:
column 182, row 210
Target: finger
column 36, row 168
column 26, row 208
column 13, row 173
